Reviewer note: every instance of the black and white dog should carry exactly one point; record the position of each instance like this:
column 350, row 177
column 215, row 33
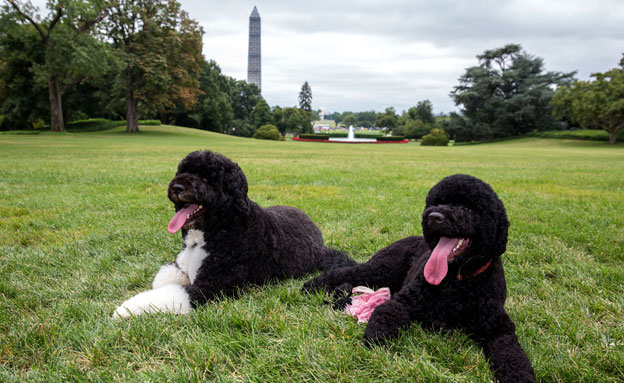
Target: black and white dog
column 229, row 241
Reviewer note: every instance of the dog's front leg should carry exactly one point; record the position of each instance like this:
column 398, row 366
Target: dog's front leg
column 170, row 274
column 507, row 359
column 386, row 321
column 169, row 298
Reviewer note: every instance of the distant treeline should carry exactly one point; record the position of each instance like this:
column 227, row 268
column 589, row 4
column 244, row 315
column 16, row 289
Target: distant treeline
column 136, row 60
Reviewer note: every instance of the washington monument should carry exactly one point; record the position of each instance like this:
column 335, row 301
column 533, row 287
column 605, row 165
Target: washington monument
column 254, row 73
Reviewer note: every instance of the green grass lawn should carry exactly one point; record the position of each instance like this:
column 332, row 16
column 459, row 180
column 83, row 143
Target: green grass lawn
column 83, row 227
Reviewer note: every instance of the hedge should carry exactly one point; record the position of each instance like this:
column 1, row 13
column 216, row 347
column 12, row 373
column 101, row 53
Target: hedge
column 325, row 136
column 98, row 124
column 579, row 134
column 314, row 136
column 390, row 138
column 356, row 135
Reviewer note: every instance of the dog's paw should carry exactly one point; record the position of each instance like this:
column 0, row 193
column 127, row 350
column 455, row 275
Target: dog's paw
column 385, row 322
column 170, row 274
column 126, row 311
column 376, row 335
column 345, row 290
column 169, row 298
column 312, row 285
column 341, row 303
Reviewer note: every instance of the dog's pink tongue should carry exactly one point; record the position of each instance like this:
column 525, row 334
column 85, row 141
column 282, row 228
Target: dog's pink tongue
column 437, row 265
column 179, row 219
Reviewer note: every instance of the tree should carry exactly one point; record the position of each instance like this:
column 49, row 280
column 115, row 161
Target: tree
column 305, row 97
column 418, row 121
column 594, row 104
column 261, row 114
column 61, row 35
column 214, row 109
column 388, row 119
column 507, row 94
column 349, row 120
column 338, row 117
column 160, row 47
column 244, row 97
column 292, row 120
column 416, row 129
column 300, row 119
column 366, row 119
column 22, row 101
column 423, row 111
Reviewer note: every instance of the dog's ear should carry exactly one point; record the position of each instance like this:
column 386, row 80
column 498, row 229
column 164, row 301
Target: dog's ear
column 235, row 184
column 502, row 227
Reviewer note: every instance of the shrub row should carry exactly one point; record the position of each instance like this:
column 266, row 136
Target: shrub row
column 92, row 125
column 149, row 122
column 327, row 136
column 98, row 124
column 345, row 135
column 580, row 134
column 314, row 136
column 390, row 138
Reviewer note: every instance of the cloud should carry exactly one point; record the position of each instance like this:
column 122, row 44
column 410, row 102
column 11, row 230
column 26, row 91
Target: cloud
column 363, row 54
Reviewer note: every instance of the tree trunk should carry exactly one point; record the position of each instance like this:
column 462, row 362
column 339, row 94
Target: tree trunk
column 613, row 130
column 56, row 105
column 132, row 115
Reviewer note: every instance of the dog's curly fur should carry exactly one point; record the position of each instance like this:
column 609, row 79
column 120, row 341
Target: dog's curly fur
column 470, row 297
column 230, row 242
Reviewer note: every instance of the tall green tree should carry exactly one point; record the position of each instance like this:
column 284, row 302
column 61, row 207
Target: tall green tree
column 388, row 119
column 598, row 103
column 261, row 114
column 292, row 120
column 70, row 53
column 305, row 97
column 215, row 105
column 366, row 119
column 244, row 98
column 338, row 117
column 350, row 119
column 507, row 94
column 423, row 111
column 22, row 100
column 160, row 47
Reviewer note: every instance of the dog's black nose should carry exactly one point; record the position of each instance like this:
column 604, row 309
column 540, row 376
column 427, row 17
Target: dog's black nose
column 177, row 188
column 435, row 217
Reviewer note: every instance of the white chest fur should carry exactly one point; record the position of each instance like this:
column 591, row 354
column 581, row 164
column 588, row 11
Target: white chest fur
column 193, row 254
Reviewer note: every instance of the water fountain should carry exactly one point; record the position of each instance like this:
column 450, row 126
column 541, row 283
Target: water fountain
column 351, row 138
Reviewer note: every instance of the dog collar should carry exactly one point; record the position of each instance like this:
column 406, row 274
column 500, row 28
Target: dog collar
column 482, row 269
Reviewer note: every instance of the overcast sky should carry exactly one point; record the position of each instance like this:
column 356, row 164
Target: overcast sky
column 360, row 55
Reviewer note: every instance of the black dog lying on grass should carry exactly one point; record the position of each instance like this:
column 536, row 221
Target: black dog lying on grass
column 452, row 278
column 229, row 241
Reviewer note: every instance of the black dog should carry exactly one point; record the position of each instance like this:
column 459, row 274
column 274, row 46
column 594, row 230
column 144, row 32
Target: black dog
column 452, row 278
column 229, row 241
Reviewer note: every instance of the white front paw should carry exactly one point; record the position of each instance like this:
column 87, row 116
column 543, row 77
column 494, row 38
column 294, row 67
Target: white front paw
column 126, row 310
column 168, row 298
column 170, row 274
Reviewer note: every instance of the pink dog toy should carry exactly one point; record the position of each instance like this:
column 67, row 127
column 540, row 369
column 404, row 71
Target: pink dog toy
column 362, row 306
